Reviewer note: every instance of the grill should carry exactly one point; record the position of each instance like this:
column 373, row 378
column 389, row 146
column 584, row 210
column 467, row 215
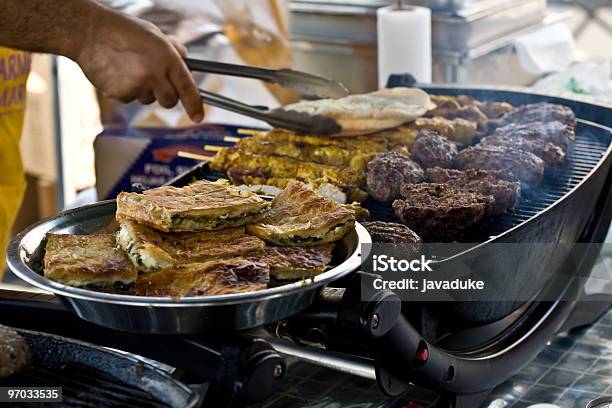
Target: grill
column 464, row 339
column 587, row 152
column 91, row 376
column 83, row 386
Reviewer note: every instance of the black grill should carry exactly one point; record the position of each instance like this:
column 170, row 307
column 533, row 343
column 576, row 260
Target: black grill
column 585, row 155
column 82, row 386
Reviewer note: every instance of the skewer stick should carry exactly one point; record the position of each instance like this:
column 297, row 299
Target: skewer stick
column 210, row 148
column 250, row 132
column 194, row 156
column 231, row 139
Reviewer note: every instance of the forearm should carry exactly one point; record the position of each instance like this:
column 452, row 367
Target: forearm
column 124, row 57
column 57, row 27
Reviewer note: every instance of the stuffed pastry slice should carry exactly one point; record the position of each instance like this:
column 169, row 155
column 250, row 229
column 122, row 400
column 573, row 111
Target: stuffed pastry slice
column 91, row 261
column 151, row 250
column 218, row 277
column 300, row 217
column 203, row 205
column 296, row 262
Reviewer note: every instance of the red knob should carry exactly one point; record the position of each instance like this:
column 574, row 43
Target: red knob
column 422, row 354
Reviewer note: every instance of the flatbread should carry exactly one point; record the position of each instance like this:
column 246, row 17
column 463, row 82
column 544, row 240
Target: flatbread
column 369, row 113
column 151, row 250
column 300, row 217
column 202, row 205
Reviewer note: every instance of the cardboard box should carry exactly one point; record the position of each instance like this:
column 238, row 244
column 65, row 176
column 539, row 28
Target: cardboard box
column 149, row 156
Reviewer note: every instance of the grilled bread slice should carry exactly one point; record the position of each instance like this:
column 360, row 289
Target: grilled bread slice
column 151, row 250
column 296, row 262
column 219, row 277
column 87, row 261
column 300, row 217
column 203, row 205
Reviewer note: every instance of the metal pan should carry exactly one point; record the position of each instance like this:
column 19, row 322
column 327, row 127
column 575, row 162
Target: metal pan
column 164, row 315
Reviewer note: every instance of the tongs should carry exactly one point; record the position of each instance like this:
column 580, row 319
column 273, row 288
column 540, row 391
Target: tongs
column 307, row 85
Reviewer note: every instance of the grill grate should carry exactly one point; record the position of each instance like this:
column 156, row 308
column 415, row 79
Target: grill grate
column 587, row 152
column 82, row 386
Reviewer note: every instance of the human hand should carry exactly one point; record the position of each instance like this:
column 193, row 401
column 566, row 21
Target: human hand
column 127, row 58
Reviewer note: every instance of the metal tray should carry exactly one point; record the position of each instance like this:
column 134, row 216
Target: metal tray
column 164, row 315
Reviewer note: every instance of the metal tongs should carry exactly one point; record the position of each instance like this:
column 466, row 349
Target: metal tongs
column 307, row 85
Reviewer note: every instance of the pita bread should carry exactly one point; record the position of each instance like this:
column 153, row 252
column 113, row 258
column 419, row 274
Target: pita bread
column 369, row 113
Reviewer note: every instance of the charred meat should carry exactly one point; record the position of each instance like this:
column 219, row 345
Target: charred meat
column 546, row 132
column 394, row 234
column 387, row 171
column 435, row 210
column 432, row 150
column 540, row 113
column 15, row 354
column 502, row 185
column 552, row 155
column 526, row 166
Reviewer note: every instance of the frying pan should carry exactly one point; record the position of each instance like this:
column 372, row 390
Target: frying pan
column 165, row 315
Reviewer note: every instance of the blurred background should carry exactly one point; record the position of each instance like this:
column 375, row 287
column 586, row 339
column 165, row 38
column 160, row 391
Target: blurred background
column 78, row 147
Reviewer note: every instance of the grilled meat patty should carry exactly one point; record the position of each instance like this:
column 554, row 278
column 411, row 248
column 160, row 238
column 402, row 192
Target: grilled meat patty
column 387, row 171
column 502, row 185
column 394, row 234
column 526, row 166
column 555, row 133
column 15, row 354
column 540, row 113
column 432, row 150
column 435, row 210
column 552, row 155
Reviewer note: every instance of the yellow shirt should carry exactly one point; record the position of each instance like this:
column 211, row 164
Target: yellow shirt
column 14, row 71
